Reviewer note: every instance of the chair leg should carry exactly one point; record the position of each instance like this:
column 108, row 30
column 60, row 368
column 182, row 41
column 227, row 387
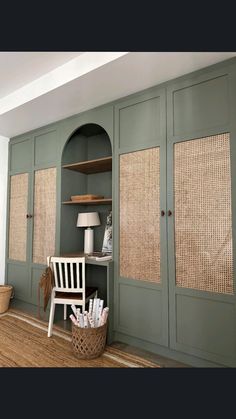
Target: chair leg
column 65, row 311
column 51, row 318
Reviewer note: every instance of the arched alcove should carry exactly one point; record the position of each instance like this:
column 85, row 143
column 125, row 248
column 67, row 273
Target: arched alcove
column 89, row 143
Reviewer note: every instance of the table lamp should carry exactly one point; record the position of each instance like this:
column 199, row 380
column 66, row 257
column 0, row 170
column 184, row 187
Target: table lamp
column 88, row 219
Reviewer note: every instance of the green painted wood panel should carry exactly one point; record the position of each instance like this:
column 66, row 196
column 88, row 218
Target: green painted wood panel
column 72, row 237
column 140, row 312
column 18, row 277
column 200, row 105
column 21, row 155
column 207, row 326
column 36, row 273
column 46, row 148
column 140, row 122
column 75, row 149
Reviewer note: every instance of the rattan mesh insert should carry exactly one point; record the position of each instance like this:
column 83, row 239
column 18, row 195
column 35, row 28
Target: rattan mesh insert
column 44, row 215
column 140, row 215
column 203, row 222
column 17, row 217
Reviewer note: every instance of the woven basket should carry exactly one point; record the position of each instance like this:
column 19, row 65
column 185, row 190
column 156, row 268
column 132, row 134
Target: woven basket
column 5, row 295
column 88, row 343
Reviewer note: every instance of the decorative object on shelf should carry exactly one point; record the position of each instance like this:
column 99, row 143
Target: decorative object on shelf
column 85, row 197
column 107, row 241
column 88, row 219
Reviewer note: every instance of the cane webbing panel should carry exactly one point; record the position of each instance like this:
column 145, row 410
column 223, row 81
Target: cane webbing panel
column 17, row 217
column 203, row 222
column 140, row 215
column 44, row 215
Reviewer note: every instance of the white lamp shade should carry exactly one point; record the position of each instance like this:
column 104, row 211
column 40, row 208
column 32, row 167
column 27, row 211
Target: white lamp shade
column 88, row 219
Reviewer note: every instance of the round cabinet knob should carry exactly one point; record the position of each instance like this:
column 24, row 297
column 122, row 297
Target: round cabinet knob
column 169, row 213
column 162, row 213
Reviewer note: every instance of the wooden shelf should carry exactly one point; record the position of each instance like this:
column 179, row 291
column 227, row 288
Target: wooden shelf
column 91, row 166
column 105, row 201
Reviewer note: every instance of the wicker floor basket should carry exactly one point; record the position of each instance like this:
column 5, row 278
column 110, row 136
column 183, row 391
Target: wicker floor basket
column 5, row 295
column 88, row 343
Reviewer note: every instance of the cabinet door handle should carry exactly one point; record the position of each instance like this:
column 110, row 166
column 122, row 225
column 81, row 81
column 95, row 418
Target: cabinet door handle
column 169, row 213
column 29, row 215
column 162, row 213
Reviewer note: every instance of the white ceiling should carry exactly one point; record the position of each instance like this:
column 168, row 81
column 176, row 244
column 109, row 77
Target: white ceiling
column 20, row 68
column 38, row 88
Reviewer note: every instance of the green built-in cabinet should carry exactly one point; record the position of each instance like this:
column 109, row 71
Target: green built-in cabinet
column 172, row 184
column 175, row 153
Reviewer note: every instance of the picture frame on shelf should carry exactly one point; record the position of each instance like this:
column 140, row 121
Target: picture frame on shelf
column 107, row 240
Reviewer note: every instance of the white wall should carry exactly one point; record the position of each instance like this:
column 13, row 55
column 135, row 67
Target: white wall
column 3, row 203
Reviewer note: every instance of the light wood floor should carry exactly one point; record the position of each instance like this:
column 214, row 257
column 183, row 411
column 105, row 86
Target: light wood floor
column 66, row 324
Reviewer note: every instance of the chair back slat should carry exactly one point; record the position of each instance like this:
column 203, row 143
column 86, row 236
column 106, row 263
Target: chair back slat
column 72, row 276
column 54, row 265
column 69, row 274
column 78, row 274
column 66, row 274
column 60, row 275
column 83, row 276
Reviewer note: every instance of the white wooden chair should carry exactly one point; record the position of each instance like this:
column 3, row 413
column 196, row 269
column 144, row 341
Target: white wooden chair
column 69, row 275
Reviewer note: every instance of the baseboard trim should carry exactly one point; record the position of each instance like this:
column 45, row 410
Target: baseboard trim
column 190, row 360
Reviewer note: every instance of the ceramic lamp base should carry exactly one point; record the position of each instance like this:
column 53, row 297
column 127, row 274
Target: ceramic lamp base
column 88, row 240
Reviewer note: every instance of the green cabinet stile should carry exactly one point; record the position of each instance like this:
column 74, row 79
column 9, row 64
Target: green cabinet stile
column 173, row 193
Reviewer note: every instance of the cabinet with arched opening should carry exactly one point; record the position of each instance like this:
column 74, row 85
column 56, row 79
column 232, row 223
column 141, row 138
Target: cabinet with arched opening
column 86, row 184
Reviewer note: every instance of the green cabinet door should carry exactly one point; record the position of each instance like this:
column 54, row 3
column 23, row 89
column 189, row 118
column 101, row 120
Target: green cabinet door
column 200, row 155
column 19, row 217
column 140, row 251
column 32, row 209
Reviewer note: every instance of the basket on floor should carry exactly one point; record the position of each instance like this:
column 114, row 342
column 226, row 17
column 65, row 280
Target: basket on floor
column 88, row 343
column 5, row 295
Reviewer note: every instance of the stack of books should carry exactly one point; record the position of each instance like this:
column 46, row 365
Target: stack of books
column 99, row 256
column 96, row 315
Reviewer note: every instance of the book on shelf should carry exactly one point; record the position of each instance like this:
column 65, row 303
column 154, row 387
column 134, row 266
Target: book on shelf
column 99, row 256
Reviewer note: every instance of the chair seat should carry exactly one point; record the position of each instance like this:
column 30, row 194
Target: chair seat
column 75, row 295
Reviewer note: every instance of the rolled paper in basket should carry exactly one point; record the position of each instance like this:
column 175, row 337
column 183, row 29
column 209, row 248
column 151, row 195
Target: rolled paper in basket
column 81, row 320
column 74, row 320
column 73, row 309
column 85, row 319
column 90, row 305
column 99, row 312
column 77, row 314
column 94, row 308
column 104, row 316
column 91, row 321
